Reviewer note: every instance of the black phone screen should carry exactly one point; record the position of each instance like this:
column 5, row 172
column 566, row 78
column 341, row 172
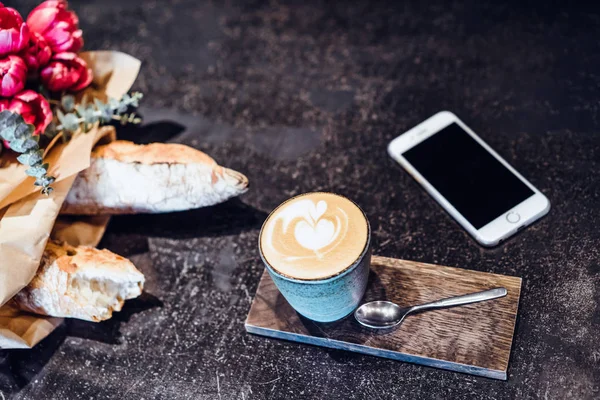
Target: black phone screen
column 479, row 186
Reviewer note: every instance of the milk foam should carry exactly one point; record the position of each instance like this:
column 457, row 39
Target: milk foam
column 314, row 236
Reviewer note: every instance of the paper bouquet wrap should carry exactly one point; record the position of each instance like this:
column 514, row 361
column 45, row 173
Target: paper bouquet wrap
column 28, row 219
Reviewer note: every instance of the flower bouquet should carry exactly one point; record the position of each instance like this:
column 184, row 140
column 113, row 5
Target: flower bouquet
column 40, row 71
column 54, row 100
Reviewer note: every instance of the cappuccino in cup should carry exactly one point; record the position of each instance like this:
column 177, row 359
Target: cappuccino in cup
column 316, row 247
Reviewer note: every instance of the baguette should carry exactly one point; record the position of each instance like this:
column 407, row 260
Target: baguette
column 80, row 282
column 126, row 178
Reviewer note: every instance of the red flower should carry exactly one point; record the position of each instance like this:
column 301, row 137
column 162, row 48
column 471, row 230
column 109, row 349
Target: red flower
column 58, row 25
column 37, row 54
column 14, row 33
column 34, row 109
column 13, row 74
column 66, row 71
column 32, row 106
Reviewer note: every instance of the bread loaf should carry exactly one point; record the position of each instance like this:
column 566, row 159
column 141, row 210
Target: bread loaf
column 125, row 178
column 80, row 282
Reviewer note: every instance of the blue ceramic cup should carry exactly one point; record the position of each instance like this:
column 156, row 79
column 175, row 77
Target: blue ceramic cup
column 329, row 298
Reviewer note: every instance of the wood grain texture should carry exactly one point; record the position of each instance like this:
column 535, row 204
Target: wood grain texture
column 474, row 339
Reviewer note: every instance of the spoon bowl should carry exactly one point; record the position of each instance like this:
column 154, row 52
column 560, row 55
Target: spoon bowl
column 380, row 314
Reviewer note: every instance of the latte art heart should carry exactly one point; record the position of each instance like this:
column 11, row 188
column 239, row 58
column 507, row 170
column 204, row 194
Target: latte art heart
column 312, row 235
column 316, row 211
column 315, row 237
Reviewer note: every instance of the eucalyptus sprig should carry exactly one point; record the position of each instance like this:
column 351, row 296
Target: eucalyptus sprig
column 20, row 137
column 74, row 117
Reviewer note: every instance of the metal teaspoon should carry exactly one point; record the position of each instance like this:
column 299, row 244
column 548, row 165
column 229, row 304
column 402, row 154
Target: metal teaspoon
column 385, row 314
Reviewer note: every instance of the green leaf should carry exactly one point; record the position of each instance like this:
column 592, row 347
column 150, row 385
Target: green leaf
column 80, row 110
column 45, row 181
column 106, row 114
column 51, row 130
column 89, row 115
column 23, row 145
column 38, row 171
column 11, row 125
column 8, row 132
column 32, row 157
column 60, row 116
column 8, row 117
column 135, row 99
column 24, row 130
column 68, row 102
column 70, row 122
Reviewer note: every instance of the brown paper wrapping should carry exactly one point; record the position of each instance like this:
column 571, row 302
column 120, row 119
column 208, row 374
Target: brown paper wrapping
column 28, row 218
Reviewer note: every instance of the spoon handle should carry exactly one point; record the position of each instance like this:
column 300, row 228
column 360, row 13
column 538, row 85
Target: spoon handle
column 461, row 300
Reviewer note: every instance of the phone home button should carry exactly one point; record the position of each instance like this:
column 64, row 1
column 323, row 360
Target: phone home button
column 513, row 217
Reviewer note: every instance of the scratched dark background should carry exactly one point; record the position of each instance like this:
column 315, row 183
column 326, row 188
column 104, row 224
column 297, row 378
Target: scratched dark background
column 305, row 96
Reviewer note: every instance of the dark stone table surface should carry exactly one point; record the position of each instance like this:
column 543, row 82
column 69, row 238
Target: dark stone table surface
column 305, row 96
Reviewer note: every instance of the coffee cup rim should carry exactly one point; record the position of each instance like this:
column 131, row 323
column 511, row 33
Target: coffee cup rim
column 345, row 271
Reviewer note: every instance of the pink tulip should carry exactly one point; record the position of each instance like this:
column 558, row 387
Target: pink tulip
column 58, row 25
column 13, row 74
column 14, row 33
column 37, row 53
column 34, row 109
column 66, row 71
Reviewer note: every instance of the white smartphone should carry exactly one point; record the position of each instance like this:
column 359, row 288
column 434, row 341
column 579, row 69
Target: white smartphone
column 477, row 187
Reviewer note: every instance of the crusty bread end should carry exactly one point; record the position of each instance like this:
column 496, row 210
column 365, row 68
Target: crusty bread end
column 80, row 282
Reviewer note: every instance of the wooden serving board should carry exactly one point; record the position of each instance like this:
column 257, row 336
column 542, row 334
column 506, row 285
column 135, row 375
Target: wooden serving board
column 474, row 339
